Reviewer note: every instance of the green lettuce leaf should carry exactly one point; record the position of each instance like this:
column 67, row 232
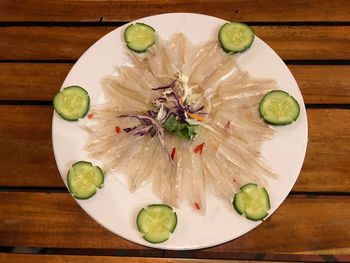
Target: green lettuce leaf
column 184, row 130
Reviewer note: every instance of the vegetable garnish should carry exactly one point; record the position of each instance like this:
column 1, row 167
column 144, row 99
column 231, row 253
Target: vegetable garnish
column 184, row 130
column 171, row 113
column 156, row 222
column 228, row 125
column 147, row 125
column 72, row 103
column 235, row 37
column 199, row 148
column 196, row 205
column 279, row 108
column 139, row 37
column 173, row 152
column 90, row 116
column 118, row 130
column 196, row 117
column 84, row 179
column 253, row 202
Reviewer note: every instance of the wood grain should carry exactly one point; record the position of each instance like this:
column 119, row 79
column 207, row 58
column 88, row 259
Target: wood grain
column 47, row 43
column 239, row 10
column 26, row 155
column 31, row 81
column 25, row 137
column 24, row 258
column 68, row 43
column 301, row 223
column 53, row 220
column 319, row 84
column 323, row 84
column 327, row 165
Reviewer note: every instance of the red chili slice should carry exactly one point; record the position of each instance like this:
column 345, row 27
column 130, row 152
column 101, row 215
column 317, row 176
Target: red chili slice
column 196, row 205
column 228, row 124
column 199, row 148
column 118, row 130
column 90, row 116
column 173, row 152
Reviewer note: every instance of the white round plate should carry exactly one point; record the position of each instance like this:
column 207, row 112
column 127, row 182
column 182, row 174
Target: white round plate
column 113, row 206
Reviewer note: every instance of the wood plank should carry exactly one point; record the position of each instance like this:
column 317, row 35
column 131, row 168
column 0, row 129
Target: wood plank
column 238, row 10
column 47, row 43
column 306, row 42
column 68, row 43
column 26, row 151
column 25, row 137
column 327, row 157
column 302, row 223
column 53, row 220
column 24, row 258
column 327, row 84
column 323, row 84
column 31, row 81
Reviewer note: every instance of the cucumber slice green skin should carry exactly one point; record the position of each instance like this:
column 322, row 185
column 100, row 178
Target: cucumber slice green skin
column 72, row 103
column 84, row 179
column 253, row 202
column 235, row 37
column 279, row 108
column 139, row 37
column 156, row 222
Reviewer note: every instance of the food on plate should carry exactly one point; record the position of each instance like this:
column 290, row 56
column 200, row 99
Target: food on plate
column 156, row 222
column 252, row 201
column 72, row 103
column 139, row 37
column 84, row 179
column 184, row 117
column 236, row 37
column 279, row 108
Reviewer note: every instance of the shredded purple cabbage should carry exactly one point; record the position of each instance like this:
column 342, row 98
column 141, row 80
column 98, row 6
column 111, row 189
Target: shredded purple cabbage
column 172, row 105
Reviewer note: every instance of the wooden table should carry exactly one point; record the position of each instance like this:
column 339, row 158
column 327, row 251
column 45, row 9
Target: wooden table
column 39, row 43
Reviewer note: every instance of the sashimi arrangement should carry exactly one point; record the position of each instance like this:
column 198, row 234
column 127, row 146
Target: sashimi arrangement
column 184, row 118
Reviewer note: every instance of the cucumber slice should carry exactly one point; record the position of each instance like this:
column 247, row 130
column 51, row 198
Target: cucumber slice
column 279, row 108
column 156, row 222
column 139, row 37
column 161, row 235
column 253, row 202
column 72, row 103
column 84, row 179
column 248, row 188
column 235, row 37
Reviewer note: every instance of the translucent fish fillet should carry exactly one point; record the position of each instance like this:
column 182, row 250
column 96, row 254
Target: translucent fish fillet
column 209, row 63
column 129, row 89
column 195, row 57
column 215, row 174
column 178, row 177
column 138, row 161
column 143, row 169
column 161, row 178
column 179, row 46
column 193, row 182
column 232, row 133
column 239, row 122
column 122, row 100
column 159, row 62
column 135, row 81
column 211, row 83
column 198, row 183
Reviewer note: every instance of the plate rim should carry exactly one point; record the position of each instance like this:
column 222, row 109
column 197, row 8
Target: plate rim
column 160, row 246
